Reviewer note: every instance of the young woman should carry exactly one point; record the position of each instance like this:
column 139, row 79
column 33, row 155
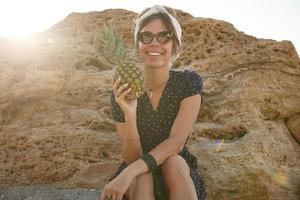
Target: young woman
column 154, row 128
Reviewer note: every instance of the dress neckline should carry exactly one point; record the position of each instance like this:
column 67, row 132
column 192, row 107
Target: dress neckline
column 160, row 101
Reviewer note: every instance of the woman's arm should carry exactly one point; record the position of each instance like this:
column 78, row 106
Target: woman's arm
column 186, row 117
column 127, row 131
column 130, row 141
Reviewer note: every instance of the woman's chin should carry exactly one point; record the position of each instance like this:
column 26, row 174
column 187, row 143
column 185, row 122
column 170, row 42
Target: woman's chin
column 157, row 64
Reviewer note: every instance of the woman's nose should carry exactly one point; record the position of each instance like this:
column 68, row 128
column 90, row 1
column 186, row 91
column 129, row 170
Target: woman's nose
column 154, row 41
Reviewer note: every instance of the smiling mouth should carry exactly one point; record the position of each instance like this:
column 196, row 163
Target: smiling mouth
column 154, row 53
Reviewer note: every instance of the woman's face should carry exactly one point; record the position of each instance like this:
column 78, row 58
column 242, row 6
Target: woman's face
column 155, row 54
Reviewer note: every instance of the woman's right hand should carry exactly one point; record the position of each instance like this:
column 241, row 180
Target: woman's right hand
column 128, row 107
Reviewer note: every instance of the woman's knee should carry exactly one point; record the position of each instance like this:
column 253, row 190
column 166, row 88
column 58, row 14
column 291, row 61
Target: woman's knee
column 175, row 167
column 142, row 185
column 144, row 179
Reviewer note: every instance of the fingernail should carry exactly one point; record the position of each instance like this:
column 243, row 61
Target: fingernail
column 126, row 84
column 119, row 79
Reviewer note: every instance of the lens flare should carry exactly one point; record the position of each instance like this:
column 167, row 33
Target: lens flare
column 220, row 143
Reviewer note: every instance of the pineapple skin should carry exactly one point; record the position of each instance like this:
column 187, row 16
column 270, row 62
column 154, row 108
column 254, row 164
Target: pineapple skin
column 131, row 75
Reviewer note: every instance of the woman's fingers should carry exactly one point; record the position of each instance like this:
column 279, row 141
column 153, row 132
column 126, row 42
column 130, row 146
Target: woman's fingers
column 121, row 89
column 116, row 85
column 103, row 195
column 114, row 196
column 122, row 96
column 119, row 196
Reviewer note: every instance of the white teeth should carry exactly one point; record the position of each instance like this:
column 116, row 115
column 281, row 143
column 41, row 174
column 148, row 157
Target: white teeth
column 154, row 53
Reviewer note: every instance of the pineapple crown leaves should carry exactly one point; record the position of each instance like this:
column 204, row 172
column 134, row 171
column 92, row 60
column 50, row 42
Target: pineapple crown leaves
column 111, row 44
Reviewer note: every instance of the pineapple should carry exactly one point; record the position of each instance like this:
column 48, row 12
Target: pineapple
column 113, row 49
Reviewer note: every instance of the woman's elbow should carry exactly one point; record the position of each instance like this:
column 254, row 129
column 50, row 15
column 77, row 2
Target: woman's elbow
column 178, row 145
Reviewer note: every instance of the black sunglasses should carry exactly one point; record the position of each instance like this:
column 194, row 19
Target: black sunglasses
column 147, row 37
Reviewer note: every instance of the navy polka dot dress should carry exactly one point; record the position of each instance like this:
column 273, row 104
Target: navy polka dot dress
column 154, row 126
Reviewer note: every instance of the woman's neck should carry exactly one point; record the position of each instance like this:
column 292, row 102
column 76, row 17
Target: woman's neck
column 155, row 77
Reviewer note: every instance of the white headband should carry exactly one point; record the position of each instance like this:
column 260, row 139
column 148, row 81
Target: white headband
column 155, row 10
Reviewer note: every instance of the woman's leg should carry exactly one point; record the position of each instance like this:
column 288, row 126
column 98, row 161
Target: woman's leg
column 141, row 188
column 177, row 178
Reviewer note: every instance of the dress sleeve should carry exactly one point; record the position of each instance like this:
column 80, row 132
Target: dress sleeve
column 117, row 113
column 192, row 84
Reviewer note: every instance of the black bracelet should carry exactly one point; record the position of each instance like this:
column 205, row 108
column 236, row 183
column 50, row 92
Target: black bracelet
column 150, row 161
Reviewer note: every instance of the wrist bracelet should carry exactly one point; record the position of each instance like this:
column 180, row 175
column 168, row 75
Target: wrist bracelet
column 150, row 161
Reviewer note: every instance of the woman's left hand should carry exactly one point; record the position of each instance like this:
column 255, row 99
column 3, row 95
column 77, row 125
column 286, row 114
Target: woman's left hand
column 116, row 188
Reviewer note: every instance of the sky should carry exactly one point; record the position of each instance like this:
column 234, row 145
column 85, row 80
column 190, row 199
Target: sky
column 269, row 19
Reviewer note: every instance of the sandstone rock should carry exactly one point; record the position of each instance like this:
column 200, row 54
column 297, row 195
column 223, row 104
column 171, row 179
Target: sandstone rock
column 55, row 118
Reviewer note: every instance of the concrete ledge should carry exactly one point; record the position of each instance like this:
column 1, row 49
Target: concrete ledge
column 47, row 192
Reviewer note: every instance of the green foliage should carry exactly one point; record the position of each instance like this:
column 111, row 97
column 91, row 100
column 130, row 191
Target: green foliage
column 112, row 45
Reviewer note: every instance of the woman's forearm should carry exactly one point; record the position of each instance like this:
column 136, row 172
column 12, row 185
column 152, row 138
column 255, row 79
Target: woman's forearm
column 131, row 145
column 160, row 153
column 167, row 148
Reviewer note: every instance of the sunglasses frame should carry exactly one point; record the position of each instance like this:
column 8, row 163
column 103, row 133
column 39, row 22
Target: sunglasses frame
column 156, row 36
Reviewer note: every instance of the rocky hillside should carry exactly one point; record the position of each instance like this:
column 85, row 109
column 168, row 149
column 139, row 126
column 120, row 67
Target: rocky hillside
column 55, row 118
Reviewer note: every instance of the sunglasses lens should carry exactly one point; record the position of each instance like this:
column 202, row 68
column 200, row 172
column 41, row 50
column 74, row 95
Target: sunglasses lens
column 163, row 37
column 146, row 37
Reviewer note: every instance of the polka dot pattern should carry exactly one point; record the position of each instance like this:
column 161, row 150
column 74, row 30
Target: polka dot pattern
column 154, row 126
